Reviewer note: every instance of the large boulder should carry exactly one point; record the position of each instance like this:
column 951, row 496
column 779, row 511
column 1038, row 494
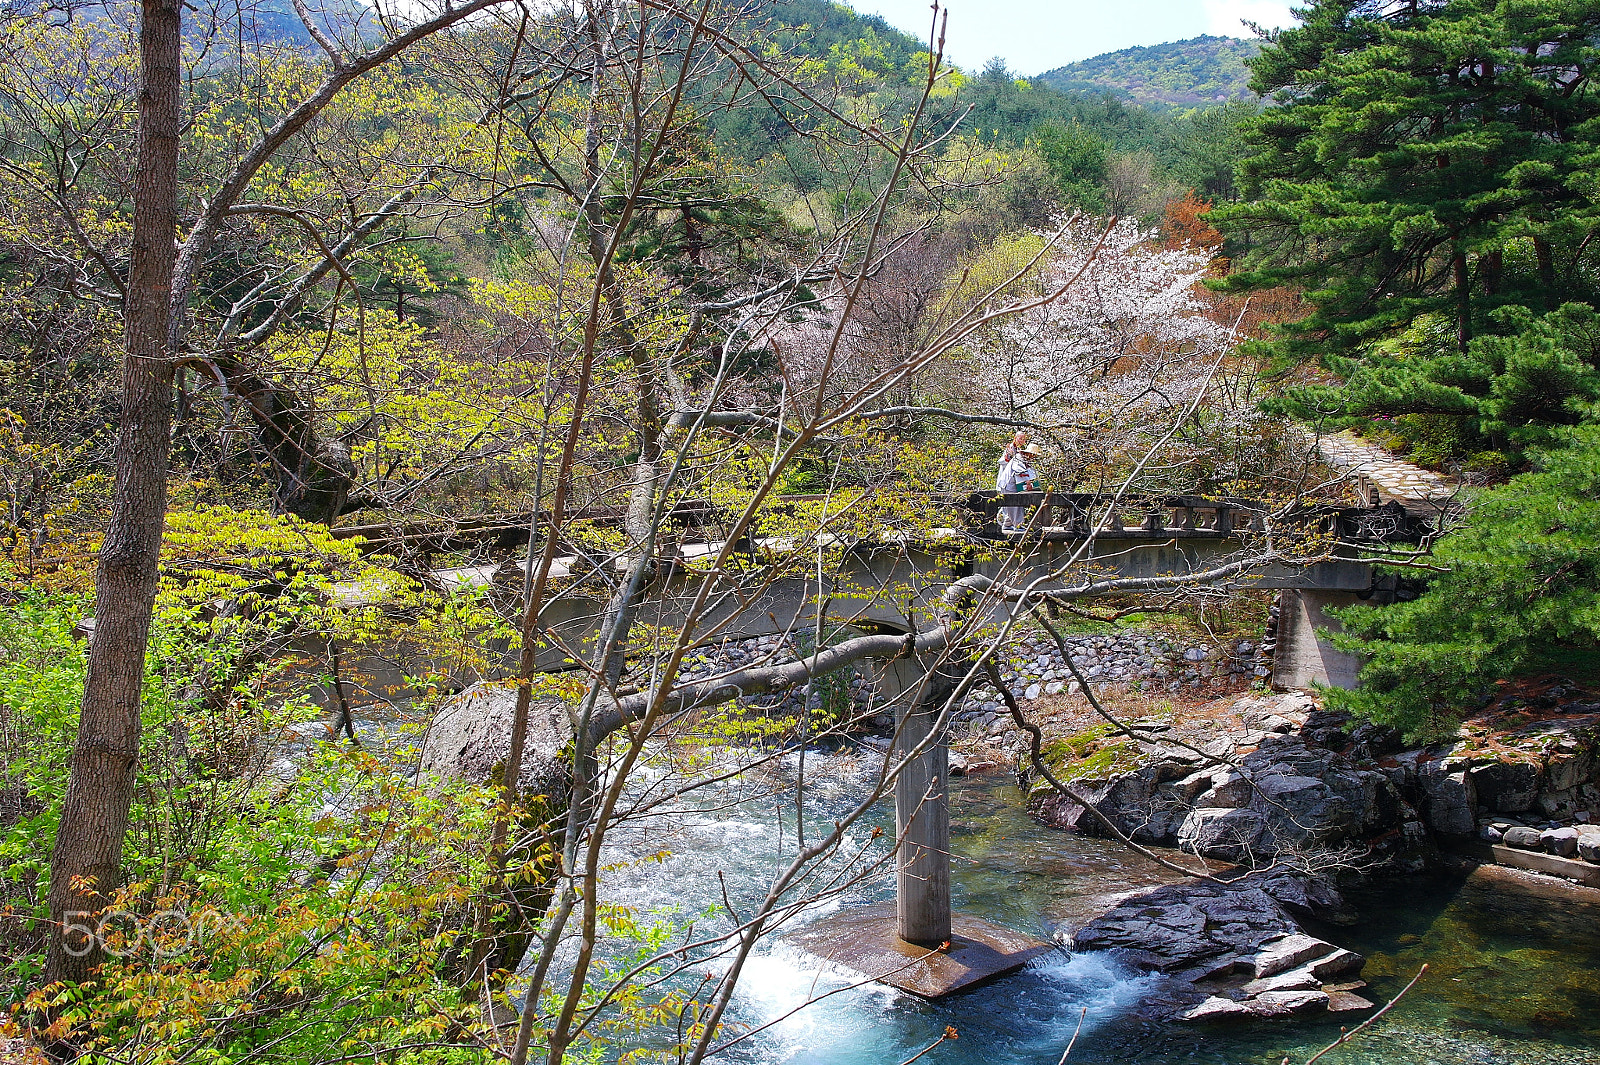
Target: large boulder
column 1507, row 787
column 1231, row 951
column 470, row 739
column 1218, row 832
column 1450, row 797
column 1285, row 795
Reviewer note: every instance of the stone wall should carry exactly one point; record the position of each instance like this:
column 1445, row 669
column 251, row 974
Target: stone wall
column 1034, row 668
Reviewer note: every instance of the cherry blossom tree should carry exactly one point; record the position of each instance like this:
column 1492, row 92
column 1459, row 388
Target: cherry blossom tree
column 1132, row 353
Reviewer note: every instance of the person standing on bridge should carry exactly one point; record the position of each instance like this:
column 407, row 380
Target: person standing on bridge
column 1003, row 481
column 1007, row 454
column 1018, row 442
column 1017, row 475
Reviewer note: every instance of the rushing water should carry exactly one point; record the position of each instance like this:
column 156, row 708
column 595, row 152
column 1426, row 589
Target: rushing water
column 1514, row 978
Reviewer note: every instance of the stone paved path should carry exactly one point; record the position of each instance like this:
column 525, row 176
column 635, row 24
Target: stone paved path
column 1375, row 467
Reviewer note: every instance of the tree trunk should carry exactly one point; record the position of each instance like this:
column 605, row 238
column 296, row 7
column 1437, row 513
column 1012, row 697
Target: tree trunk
column 1545, row 256
column 85, row 866
column 312, row 476
column 1491, row 268
column 1463, row 286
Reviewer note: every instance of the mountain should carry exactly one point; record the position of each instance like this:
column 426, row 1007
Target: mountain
column 1195, row 73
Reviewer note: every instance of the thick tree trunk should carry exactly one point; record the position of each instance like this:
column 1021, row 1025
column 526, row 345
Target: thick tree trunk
column 1546, row 259
column 311, row 476
column 85, row 866
column 1491, row 268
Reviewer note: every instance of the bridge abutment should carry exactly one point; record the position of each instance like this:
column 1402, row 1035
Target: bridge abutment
column 1305, row 655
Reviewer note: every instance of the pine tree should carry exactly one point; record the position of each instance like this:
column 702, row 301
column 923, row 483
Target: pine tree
column 1428, row 178
column 1521, row 580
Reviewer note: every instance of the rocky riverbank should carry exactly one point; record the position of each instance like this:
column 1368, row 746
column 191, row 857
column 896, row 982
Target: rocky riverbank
column 1276, row 790
column 1525, row 773
column 1319, row 801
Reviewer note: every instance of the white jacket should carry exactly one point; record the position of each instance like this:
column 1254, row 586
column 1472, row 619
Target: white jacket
column 1014, row 473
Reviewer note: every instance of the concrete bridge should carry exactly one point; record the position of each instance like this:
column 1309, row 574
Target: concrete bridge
column 893, row 582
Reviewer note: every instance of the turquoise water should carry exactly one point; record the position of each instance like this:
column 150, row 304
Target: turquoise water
column 1514, row 978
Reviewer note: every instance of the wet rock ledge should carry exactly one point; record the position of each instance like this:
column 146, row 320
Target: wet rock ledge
column 1234, row 951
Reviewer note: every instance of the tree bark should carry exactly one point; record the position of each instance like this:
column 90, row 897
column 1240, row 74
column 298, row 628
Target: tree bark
column 1463, row 287
column 312, row 476
column 1545, row 256
column 1491, row 268
column 85, row 865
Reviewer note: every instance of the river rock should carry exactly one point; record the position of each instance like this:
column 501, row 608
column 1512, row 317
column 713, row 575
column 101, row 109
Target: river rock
column 1228, row 834
column 1514, row 761
column 470, row 738
column 1216, row 1008
column 1506, row 787
column 1347, row 1002
column 1289, row 1003
column 1234, row 943
column 1562, row 842
column 1285, row 796
column 1287, row 953
column 1523, row 838
column 1229, row 790
column 1569, row 769
column 1451, row 800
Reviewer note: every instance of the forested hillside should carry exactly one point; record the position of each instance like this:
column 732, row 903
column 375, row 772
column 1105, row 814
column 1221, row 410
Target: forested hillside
column 1199, row 72
column 463, row 462
column 1099, row 150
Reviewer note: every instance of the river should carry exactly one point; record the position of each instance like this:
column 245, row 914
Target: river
column 1514, row 976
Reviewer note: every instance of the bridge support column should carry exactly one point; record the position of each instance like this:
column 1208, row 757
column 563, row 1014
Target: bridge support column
column 1305, row 655
column 922, row 824
column 917, row 945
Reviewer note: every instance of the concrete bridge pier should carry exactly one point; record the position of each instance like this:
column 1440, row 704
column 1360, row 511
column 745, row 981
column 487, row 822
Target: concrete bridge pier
column 916, row 943
column 1305, row 654
column 922, row 819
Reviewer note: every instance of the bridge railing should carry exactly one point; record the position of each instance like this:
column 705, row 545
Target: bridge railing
column 1188, row 517
column 1064, row 514
column 1080, row 513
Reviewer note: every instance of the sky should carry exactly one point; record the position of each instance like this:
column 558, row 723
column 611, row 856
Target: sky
column 1033, row 36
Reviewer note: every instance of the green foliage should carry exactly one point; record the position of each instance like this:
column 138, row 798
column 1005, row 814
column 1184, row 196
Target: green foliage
column 314, row 931
column 1427, row 178
column 1194, row 73
column 1507, row 392
column 1077, row 161
column 278, row 910
column 1524, row 577
column 869, row 62
column 41, row 685
column 408, row 274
